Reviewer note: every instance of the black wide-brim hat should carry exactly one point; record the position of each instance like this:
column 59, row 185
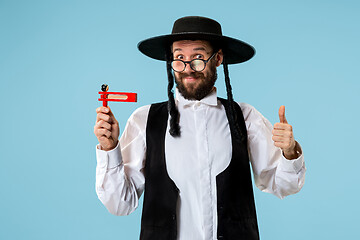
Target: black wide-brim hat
column 197, row 28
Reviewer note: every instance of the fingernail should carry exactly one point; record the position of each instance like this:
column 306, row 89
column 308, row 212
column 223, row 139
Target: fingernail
column 106, row 110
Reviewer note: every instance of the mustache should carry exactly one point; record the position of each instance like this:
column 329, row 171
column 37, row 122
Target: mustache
column 193, row 74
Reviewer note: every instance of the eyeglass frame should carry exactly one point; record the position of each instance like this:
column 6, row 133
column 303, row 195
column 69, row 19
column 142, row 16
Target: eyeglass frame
column 189, row 62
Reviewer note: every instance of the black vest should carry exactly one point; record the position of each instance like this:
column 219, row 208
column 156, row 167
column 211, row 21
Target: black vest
column 236, row 207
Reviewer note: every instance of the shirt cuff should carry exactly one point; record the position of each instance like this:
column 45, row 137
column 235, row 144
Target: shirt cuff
column 294, row 164
column 108, row 159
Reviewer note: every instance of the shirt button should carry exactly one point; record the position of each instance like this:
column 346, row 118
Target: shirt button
column 196, row 105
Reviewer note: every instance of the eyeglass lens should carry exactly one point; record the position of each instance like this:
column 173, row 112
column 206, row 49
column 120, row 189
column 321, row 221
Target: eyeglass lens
column 196, row 64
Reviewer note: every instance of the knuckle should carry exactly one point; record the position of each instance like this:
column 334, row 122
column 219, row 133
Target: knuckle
column 102, row 138
column 96, row 128
column 97, row 133
column 106, row 133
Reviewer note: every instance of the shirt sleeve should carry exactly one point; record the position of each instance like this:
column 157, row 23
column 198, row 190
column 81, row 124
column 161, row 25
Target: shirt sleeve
column 120, row 172
column 273, row 173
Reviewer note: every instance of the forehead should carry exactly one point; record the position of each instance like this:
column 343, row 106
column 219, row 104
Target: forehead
column 191, row 45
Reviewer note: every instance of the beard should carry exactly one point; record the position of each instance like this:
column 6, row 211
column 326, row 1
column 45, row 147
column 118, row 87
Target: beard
column 200, row 90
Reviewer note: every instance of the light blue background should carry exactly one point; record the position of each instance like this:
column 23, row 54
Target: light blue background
column 54, row 56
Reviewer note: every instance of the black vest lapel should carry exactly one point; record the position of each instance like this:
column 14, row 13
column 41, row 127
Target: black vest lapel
column 236, row 207
column 158, row 220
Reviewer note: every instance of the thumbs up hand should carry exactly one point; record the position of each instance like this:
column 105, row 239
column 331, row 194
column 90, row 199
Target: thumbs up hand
column 283, row 136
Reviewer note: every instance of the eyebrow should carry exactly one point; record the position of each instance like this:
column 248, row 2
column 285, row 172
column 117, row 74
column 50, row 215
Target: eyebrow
column 195, row 49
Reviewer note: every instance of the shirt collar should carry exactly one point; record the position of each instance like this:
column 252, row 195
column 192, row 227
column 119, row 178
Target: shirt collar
column 210, row 99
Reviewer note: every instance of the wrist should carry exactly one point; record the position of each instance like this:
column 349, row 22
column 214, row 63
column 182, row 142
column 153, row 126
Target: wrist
column 109, row 148
column 293, row 153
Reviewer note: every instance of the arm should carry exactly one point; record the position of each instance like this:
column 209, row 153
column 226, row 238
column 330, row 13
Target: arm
column 119, row 172
column 273, row 172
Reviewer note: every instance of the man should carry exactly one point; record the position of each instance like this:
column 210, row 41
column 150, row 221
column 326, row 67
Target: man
column 191, row 154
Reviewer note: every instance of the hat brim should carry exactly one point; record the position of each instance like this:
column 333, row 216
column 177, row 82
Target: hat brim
column 236, row 51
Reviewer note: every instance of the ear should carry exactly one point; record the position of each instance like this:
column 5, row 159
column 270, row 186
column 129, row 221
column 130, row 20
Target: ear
column 219, row 57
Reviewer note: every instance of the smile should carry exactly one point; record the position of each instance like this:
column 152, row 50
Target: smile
column 190, row 79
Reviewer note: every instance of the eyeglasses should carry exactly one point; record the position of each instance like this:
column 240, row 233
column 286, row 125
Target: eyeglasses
column 196, row 64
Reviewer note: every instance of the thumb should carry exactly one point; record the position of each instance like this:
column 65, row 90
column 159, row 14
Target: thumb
column 282, row 114
column 112, row 116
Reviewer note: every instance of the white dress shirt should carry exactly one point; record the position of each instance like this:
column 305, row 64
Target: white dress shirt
column 193, row 161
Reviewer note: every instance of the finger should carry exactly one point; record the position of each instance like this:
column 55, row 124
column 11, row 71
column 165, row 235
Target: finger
column 104, row 117
column 113, row 121
column 111, row 113
column 103, row 110
column 283, row 133
column 282, row 114
column 278, row 139
column 279, row 144
column 103, row 124
column 277, row 132
column 283, row 145
column 283, row 126
column 107, row 111
column 100, row 132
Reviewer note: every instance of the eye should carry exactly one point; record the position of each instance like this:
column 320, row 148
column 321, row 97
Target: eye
column 181, row 57
column 199, row 56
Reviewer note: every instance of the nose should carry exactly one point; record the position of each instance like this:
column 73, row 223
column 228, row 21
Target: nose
column 188, row 69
